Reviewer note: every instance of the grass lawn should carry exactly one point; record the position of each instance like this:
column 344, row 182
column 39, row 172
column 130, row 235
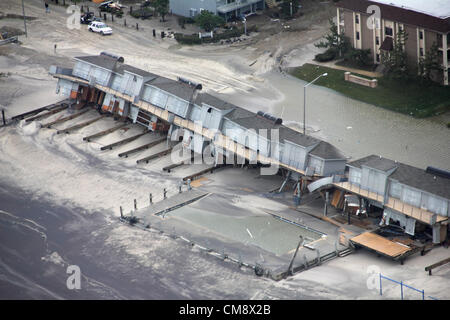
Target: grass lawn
column 410, row 98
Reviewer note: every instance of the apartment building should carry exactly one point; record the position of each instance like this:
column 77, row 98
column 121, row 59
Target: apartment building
column 374, row 25
column 224, row 8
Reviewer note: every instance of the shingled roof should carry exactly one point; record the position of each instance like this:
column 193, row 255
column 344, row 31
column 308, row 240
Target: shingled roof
column 408, row 175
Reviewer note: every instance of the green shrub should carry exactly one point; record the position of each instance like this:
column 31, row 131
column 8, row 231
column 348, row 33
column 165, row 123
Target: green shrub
column 328, row 55
column 194, row 39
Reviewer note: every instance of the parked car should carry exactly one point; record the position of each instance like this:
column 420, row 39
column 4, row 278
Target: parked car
column 88, row 17
column 99, row 27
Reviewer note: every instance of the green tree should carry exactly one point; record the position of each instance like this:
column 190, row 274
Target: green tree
column 162, row 7
column 208, row 20
column 336, row 43
column 286, row 7
column 430, row 63
column 396, row 61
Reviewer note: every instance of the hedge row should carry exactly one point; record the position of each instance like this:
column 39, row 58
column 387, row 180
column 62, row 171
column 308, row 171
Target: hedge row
column 228, row 34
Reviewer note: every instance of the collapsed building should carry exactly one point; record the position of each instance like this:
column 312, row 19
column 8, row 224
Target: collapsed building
column 202, row 120
column 416, row 200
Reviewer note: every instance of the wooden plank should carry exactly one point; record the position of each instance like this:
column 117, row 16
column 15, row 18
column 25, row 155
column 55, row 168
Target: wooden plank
column 144, row 147
column 104, row 132
column 49, row 113
column 73, row 116
column 124, row 141
column 175, row 165
column 380, row 244
column 202, row 172
column 437, row 264
column 81, row 125
column 154, row 156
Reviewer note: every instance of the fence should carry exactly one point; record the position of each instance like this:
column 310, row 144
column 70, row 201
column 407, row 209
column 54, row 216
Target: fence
column 422, row 292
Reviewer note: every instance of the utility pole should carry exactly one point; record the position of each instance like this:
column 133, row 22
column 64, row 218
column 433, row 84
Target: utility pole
column 24, row 20
column 304, row 100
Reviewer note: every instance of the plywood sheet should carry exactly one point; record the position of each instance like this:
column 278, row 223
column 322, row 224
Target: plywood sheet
column 380, row 244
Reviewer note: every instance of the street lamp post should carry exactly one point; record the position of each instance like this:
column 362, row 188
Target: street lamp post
column 304, row 100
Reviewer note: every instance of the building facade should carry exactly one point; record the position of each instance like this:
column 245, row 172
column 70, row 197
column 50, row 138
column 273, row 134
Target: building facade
column 374, row 25
column 201, row 119
column 224, row 8
column 406, row 194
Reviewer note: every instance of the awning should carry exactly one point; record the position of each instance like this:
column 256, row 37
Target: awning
column 387, row 45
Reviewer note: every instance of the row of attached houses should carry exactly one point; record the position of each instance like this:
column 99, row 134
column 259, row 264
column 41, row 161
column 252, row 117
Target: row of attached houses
column 406, row 194
column 128, row 91
column 374, row 25
column 223, row 8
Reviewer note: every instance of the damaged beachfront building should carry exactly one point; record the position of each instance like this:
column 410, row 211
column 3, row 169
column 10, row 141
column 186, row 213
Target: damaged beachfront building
column 416, row 200
column 392, row 193
column 199, row 119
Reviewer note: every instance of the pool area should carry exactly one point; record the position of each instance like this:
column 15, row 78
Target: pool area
column 265, row 231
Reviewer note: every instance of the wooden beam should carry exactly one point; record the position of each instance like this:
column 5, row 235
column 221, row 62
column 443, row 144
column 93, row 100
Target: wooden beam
column 81, row 125
column 73, row 116
column 175, row 165
column 154, row 156
column 202, row 172
column 144, row 147
column 104, row 132
column 48, row 114
column 33, row 112
column 437, row 264
column 124, row 141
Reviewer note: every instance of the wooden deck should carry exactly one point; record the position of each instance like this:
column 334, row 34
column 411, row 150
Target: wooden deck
column 381, row 245
column 392, row 203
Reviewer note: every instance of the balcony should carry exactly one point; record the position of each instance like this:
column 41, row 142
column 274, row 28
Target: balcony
column 228, row 7
column 392, row 203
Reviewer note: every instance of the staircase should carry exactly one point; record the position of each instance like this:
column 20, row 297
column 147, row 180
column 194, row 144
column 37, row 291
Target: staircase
column 345, row 252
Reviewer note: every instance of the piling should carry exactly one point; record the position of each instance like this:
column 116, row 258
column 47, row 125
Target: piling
column 165, row 193
column 137, row 26
column 112, row 17
column 151, row 200
column 125, row 22
column 189, row 184
column 121, row 212
column 3, row 117
column 104, row 16
column 154, row 33
column 135, row 204
column 179, row 188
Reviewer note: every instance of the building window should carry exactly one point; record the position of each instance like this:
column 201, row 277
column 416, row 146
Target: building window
column 440, row 40
column 357, row 35
column 388, row 31
column 209, row 110
column 421, row 35
column 377, row 40
column 357, row 19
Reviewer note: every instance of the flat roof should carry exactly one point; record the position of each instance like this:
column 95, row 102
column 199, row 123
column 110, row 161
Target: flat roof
column 436, row 8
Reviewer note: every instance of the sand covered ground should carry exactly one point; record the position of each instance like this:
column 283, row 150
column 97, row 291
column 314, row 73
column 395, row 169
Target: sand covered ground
column 67, row 172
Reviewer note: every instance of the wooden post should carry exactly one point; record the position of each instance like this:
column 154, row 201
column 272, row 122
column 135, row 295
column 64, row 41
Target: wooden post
column 151, row 200
column 121, row 212
column 165, row 193
column 104, row 15
column 3, row 117
column 137, row 26
column 112, row 17
column 135, row 204
column 125, row 22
